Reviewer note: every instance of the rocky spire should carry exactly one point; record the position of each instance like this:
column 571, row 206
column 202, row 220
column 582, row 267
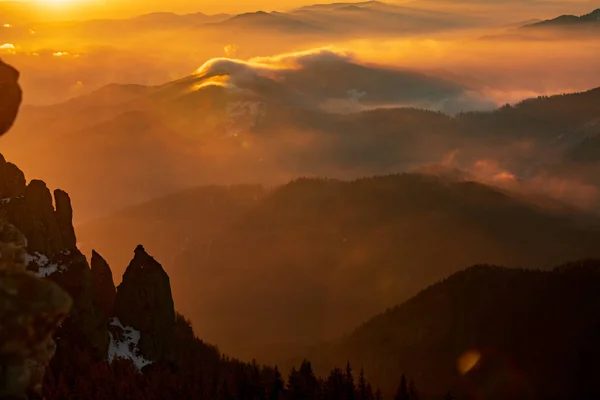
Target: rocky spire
column 103, row 284
column 39, row 223
column 145, row 303
column 30, row 208
column 64, row 219
column 12, row 180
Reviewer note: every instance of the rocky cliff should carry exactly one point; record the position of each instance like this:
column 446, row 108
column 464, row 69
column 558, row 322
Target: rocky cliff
column 144, row 302
column 30, row 308
column 139, row 315
column 46, row 283
column 104, row 286
column 51, row 250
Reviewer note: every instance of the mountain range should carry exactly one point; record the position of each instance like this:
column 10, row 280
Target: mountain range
column 206, row 126
column 590, row 20
column 333, row 20
column 379, row 232
column 539, row 344
column 245, row 122
column 117, row 342
column 320, row 240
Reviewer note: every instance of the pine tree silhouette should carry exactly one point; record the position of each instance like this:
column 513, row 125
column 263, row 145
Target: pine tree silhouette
column 378, row 395
column 277, row 385
column 349, row 388
column 412, row 391
column 364, row 389
column 402, row 392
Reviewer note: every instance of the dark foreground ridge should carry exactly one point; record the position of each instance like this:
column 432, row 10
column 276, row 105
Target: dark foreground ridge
column 126, row 342
column 488, row 333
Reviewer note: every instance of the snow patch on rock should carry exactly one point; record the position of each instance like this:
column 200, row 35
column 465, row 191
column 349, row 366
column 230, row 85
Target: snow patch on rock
column 124, row 344
column 43, row 266
column 7, row 200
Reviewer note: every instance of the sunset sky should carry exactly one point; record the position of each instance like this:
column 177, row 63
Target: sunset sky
column 84, row 9
column 76, row 9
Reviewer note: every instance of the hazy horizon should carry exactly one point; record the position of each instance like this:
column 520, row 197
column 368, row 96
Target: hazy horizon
column 214, row 182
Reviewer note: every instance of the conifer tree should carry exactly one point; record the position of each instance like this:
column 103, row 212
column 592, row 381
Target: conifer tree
column 378, row 395
column 402, row 392
column 277, row 385
column 412, row 391
column 349, row 388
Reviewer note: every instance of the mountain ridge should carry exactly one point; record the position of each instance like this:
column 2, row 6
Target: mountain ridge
column 591, row 19
column 432, row 335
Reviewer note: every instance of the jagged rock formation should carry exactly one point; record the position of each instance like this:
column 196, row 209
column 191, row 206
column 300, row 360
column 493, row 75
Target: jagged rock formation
column 52, row 250
column 12, row 180
column 145, row 303
column 30, row 308
column 103, row 284
column 10, row 96
column 86, row 325
column 64, row 219
column 30, row 208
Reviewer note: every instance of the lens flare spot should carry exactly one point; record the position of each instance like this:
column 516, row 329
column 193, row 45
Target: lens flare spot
column 468, row 361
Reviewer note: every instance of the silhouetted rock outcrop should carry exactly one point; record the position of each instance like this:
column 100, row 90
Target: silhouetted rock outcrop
column 40, row 225
column 64, row 218
column 145, row 303
column 10, row 96
column 30, row 308
column 12, row 180
column 30, row 208
column 86, row 325
column 104, row 286
column 51, row 251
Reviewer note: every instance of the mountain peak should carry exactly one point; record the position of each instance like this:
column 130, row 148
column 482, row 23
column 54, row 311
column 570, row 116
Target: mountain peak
column 140, row 250
column 255, row 14
column 144, row 303
column 592, row 18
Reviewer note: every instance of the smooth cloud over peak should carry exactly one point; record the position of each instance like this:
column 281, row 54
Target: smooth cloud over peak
column 330, row 78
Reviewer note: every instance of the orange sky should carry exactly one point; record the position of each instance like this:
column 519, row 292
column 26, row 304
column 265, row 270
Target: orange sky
column 84, row 9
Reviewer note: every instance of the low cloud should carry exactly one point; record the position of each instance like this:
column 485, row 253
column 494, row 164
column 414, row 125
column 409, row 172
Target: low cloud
column 334, row 80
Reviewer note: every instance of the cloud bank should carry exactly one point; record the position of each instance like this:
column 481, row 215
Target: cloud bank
column 334, row 80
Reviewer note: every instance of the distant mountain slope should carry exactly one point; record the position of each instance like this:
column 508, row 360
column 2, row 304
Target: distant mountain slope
column 325, row 22
column 262, row 22
column 235, row 122
column 488, row 332
column 205, row 128
column 321, row 240
column 591, row 20
column 169, row 224
column 377, row 17
column 126, row 27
